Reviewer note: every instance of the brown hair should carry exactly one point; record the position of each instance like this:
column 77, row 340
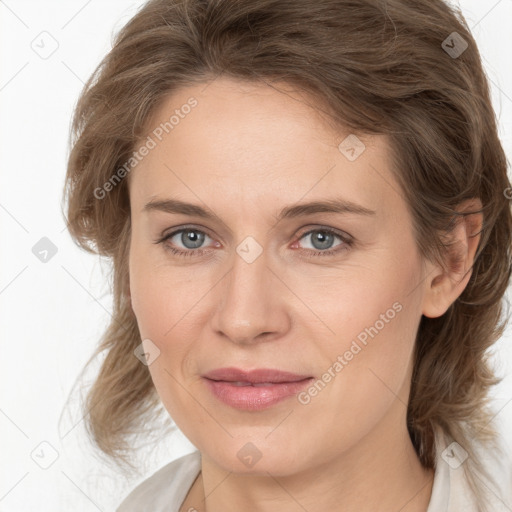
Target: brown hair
column 374, row 66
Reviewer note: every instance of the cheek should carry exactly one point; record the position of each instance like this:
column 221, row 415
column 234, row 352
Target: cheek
column 147, row 304
column 370, row 306
column 374, row 316
column 166, row 303
column 367, row 373
column 375, row 342
column 161, row 316
column 154, row 292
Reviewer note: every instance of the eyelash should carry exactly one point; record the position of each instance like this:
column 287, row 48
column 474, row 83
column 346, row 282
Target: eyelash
column 347, row 243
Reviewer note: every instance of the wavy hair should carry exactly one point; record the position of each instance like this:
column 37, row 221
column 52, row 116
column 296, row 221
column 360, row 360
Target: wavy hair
column 373, row 66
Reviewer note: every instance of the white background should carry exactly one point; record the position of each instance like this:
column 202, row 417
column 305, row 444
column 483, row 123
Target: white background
column 52, row 314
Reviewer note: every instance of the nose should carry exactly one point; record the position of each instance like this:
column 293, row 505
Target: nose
column 250, row 303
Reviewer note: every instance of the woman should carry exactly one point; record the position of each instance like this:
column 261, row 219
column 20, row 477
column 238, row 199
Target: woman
column 305, row 204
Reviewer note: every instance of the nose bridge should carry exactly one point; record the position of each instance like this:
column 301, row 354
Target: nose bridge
column 248, row 305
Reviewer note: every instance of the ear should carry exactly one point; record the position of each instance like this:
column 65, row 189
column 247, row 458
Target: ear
column 443, row 287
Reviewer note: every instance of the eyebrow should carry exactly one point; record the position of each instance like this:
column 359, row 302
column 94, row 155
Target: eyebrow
column 336, row 205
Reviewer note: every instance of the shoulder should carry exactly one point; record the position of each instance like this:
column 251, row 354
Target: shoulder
column 165, row 489
column 452, row 490
column 497, row 461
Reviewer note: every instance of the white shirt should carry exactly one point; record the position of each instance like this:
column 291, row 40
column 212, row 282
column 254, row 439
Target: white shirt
column 166, row 489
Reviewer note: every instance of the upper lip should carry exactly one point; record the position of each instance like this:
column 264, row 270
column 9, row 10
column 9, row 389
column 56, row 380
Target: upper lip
column 256, row 376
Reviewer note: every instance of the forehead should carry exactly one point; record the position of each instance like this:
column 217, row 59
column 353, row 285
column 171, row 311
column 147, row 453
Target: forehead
column 247, row 142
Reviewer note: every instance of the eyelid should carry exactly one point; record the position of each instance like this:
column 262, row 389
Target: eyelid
column 319, row 227
column 169, row 233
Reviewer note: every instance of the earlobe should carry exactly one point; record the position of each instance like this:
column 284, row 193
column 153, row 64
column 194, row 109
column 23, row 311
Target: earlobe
column 444, row 285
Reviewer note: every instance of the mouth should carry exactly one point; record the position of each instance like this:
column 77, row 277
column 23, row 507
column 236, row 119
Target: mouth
column 258, row 376
column 254, row 384
column 254, row 390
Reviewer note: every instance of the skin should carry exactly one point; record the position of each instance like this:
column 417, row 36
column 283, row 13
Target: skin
column 245, row 152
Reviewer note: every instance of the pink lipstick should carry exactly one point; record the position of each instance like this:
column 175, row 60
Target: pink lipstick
column 254, row 390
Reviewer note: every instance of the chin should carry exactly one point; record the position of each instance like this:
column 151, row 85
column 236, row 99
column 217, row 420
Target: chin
column 243, row 456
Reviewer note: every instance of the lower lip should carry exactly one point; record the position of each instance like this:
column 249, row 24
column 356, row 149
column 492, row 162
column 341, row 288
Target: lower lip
column 252, row 398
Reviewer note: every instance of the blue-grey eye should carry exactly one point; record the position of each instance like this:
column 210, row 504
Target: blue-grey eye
column 192, row 239
column 321, row 239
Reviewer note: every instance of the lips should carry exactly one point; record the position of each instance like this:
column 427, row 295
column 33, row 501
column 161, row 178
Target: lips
column 254, row 390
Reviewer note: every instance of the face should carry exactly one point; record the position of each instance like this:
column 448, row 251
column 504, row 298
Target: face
column 247, row 279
